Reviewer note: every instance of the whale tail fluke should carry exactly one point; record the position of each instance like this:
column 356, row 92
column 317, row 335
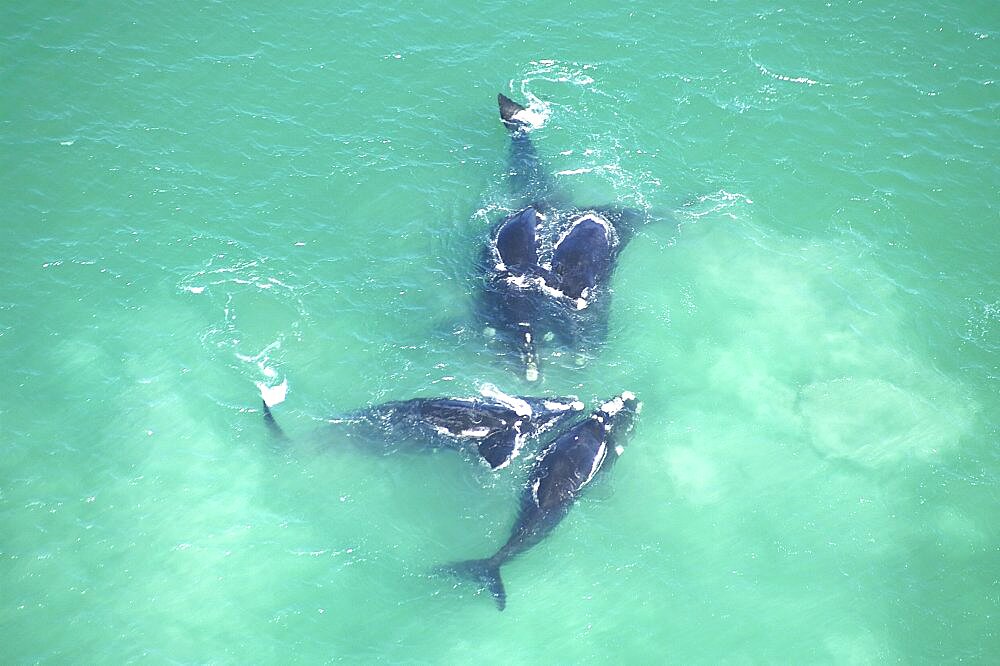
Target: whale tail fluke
column 272, row 425
column 508, row 109
column 485, row 572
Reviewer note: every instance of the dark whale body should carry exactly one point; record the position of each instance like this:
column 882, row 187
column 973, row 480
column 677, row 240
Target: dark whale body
column 546, row 268
column 494, row 425
column 561, row 473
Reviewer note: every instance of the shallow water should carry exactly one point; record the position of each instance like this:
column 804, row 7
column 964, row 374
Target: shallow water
column 199, row 199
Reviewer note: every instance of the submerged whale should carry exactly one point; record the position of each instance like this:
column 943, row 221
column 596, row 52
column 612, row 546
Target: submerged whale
column 546, row 268
column 494, row 425
column 560, row 474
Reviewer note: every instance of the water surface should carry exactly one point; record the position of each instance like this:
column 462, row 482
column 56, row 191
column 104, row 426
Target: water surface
column 200, row 198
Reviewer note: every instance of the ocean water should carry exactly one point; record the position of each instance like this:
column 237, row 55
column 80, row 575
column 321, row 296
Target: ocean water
column 200, row 197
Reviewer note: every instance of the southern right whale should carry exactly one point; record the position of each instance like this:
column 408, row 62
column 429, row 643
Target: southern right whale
column 495, row 425
column 546, row 268
column 560, row 474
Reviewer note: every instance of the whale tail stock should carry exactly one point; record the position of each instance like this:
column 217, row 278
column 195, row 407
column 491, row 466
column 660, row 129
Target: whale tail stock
column 486, row 572
column 508, row 109
column 272, row 425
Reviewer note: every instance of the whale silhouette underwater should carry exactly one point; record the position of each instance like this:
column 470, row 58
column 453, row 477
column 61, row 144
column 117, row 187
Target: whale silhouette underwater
column 545, row 271
column 546, row 268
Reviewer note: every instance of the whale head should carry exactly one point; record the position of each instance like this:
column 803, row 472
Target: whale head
column 619, row 416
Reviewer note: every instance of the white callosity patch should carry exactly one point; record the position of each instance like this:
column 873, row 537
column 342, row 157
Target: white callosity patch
column 553, row 406
column 531, row 372
column 616, row 404
column 472, row 433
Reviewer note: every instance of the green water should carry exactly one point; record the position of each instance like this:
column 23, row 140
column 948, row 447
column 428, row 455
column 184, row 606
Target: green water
column 195, row 194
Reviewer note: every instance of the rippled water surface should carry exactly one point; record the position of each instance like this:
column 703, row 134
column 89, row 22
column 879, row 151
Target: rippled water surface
column 200, row 198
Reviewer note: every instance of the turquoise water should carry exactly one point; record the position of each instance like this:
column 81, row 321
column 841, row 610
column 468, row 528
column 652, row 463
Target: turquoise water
column 197, row 196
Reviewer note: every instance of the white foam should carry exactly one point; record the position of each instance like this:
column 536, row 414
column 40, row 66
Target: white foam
column 616, row 404
column 553, row 406
column 525, row 282
column 534, row 116
column 531, row 373
column 520, row 407
column 612, row 406
column 609, row 230
column 273, row 395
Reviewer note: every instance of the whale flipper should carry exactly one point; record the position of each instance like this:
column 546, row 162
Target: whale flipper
column 583, row 258
column 272, row 425
column 508, row 109
column 499, row 448
column 486, row 572
column 517, row 241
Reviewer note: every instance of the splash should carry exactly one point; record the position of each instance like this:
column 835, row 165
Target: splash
column 273, row 395
column 256, row 309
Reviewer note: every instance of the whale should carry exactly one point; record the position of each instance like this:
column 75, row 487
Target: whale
column 561, row 473
column 546, row 268
column 493, row 426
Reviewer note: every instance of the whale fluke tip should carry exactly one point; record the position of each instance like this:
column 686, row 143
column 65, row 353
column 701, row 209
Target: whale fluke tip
column 485, row 572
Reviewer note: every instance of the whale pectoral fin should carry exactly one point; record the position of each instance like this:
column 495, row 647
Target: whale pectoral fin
column 499, row 448
column 272, row 425
column 508, row 109
column 516, row 240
